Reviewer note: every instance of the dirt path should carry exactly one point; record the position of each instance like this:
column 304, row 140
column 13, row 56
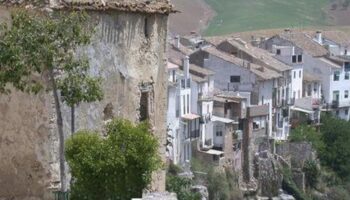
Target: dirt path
column 194, row 17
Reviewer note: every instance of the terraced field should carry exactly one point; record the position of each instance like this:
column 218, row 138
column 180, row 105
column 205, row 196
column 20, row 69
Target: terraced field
column 246, row 15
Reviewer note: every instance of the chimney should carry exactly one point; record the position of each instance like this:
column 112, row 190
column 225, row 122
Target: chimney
column 186, row 65
column 319, row 37
column 177, row 41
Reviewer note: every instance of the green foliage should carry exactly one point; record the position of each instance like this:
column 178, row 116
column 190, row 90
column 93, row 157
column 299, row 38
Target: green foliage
column 36, row 44
column 181, row 186
column 311, row 173
column 289, row 185
column 336, row 152
column 218, row 188
column 174, row 169
column 309, row 134
column 223, row 185
column 115, row 166
column 338, row 193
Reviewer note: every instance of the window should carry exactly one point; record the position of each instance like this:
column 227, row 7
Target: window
column 256, row 125
column 294, row 59
column 145, row 28
column 188, row 103
column 315, row 87
column 300, row 74
column 278, row 52
column 346, row 94
column 300, row 58
column 185, row 131
column 346, row 111
column 346, row 77
column 295, row 74
column 144, row 106
column 262, row 100
column 347, row 66
column 336, row 95
column 178, row 105
column 309, row 90
column 184, row 104
column 235, row 79
column 345, row 52
column 219, row 133
column 336, row 76
column 337, row 112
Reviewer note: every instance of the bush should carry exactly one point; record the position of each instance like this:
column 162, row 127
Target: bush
column 290, row 187
column 181, row 186
column 223, row 185
column 311, row 173
column 338, row 193
column 113, row 167
column 174, row 169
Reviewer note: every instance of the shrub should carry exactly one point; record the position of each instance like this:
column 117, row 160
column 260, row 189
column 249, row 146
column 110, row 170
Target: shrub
column 311, row 173
column 113, row 167
column 181, row 186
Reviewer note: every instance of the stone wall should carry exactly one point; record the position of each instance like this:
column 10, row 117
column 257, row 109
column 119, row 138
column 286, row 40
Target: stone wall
column 128, row 62
column 296, row 153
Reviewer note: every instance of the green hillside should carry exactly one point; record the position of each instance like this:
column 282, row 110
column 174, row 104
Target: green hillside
column 246, row 15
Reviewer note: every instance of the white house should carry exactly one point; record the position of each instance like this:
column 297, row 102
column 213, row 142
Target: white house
column 338, row 45
column 183, row 123
column 281, row 86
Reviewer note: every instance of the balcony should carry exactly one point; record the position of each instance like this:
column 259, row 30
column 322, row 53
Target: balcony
column 335, row 104
column 261, row 110
column 344, row 103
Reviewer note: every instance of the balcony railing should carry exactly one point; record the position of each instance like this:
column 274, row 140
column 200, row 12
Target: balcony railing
column 335, row 104
column 195, row 133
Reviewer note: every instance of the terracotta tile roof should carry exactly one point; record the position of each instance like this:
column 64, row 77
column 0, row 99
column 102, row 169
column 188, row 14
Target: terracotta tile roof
column 305, row 41
column 194, row 69
column 329, row 62
column 141, row 6
column 259, row 54
column 262, row 72
column 301, row 38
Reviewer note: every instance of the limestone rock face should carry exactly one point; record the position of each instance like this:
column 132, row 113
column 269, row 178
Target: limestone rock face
column 268, row 175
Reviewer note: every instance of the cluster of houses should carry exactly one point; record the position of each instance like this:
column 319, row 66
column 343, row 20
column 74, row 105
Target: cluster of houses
column 223, row 88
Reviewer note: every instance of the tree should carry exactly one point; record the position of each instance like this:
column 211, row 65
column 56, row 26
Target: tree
column 118, row 166
column 37, row 52
column 336, row 139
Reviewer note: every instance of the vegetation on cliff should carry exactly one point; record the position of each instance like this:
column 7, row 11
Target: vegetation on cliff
column 118, row 166
column 331, row 143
